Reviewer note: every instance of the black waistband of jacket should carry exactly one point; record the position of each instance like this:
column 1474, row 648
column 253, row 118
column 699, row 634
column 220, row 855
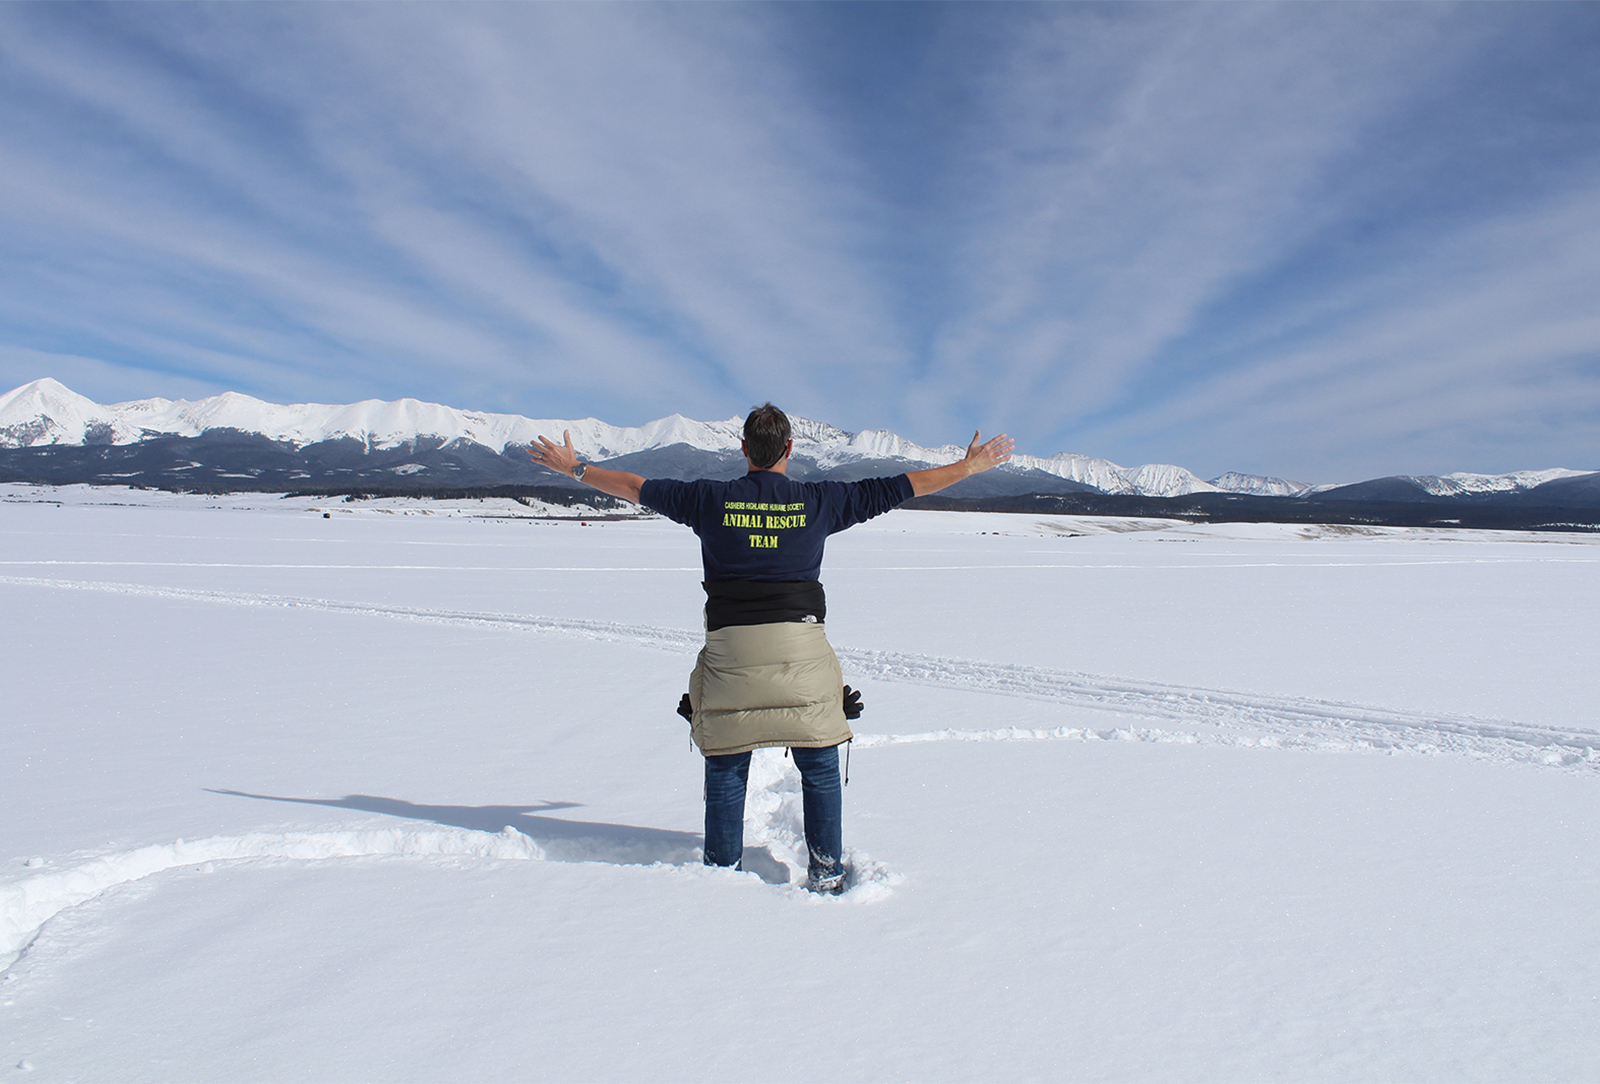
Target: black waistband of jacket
column 752, row 602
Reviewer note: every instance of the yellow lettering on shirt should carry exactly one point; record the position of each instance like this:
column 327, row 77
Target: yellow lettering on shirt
column 761, row 506
column 763, row 516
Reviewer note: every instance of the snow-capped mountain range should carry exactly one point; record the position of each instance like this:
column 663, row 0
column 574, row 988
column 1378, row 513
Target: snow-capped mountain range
column 403, row 435
column 46, row 412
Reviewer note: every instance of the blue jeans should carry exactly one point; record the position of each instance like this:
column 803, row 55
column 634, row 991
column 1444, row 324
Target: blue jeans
column 821, row 802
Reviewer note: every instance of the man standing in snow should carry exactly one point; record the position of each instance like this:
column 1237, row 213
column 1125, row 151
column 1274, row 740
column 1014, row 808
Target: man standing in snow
column 767, row 676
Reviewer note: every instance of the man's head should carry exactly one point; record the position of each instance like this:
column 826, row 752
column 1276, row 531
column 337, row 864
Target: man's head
column 766, row 436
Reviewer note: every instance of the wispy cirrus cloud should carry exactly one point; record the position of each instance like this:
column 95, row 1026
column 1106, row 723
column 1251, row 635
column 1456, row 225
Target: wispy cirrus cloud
column 558, row 200
column 1164, row 182
column 1142, row 168
column 1474, row 352
column 1301, row 239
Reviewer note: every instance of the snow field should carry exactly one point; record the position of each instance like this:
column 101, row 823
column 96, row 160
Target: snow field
column 383, row 797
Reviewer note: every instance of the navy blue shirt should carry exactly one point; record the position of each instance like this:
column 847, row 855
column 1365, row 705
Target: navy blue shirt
column 766, row 527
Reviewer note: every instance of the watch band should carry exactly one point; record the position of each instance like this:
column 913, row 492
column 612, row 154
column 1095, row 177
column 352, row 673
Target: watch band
column 577, row 472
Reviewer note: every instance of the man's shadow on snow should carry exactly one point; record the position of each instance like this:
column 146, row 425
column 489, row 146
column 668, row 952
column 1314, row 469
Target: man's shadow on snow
column 562, row 840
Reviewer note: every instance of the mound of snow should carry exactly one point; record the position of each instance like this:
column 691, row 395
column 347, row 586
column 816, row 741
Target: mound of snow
column 27, row 905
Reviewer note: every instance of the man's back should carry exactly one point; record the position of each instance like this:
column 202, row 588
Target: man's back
column 766, row 526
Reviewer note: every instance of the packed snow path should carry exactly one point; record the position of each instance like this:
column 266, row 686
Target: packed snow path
column 1224, row 716
column 775, row 853
column 26, row 906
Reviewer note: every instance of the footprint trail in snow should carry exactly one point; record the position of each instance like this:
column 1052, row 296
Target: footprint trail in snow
column 776, row 851
column 1227, row 717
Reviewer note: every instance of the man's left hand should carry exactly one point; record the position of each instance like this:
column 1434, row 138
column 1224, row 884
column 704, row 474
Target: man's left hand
column 852, row 703
column 558, row 457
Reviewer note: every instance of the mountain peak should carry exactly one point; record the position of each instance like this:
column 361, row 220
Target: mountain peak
column 1256, row 485
column 46, row 411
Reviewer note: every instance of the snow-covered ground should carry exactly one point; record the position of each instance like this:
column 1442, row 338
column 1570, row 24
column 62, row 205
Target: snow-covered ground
column 302, row 789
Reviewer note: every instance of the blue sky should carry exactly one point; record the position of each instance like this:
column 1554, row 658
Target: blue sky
column 1321, row 241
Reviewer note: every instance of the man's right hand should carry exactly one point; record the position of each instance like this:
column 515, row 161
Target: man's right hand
column 981, row 457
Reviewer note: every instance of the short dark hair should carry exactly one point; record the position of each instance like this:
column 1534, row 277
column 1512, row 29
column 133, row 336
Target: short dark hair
column 766, row 436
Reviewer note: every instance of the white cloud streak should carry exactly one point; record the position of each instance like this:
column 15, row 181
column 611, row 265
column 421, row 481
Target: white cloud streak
column 1200, row 158
column 531, row 193
column 1476, row 352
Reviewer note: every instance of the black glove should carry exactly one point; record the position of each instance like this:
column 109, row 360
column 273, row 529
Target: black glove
column 852, row 703
column 684, row 709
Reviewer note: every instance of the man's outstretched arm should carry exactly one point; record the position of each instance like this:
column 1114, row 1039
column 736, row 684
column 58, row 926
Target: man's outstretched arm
column 563, row 458
column 979, row 458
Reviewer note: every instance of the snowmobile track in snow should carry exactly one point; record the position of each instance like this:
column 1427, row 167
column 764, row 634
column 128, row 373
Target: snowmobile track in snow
column 1226, row 717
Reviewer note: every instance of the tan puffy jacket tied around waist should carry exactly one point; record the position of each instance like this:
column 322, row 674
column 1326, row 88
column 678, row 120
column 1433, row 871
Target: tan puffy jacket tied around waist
column 756, row 685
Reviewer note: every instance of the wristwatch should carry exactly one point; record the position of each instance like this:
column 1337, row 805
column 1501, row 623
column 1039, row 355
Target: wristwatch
column 577, row 472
